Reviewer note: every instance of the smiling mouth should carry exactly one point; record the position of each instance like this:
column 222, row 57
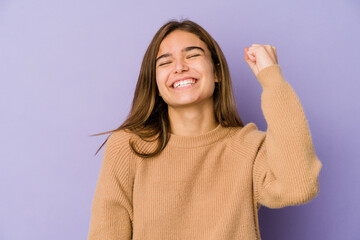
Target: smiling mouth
column 184, row 83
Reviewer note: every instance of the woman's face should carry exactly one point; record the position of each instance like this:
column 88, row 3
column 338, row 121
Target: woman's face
column 184, row 70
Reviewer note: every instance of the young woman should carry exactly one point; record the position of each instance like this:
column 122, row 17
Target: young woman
column 183, row 165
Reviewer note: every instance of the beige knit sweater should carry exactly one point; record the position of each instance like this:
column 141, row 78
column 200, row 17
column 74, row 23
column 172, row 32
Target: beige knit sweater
column 209, row 187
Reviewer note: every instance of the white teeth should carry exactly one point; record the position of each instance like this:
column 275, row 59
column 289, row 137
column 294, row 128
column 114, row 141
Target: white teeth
column 184, row 83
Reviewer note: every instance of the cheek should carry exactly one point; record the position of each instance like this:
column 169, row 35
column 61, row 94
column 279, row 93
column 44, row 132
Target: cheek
column 161, row 77
column 208, row 67
column 158, row 86
column 160, row 82
column 210, row 72
column 157, row 76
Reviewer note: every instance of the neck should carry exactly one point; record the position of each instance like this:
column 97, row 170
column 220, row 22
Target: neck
column 192, row 120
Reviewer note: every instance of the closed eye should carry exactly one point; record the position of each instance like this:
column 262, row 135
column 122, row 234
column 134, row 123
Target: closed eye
column 194, row 55
column 164, row 63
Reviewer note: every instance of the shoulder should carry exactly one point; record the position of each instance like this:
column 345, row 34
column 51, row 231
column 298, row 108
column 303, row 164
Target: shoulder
column 118, row 139
column 248, row 133
column 117, row 144
column 247, row 137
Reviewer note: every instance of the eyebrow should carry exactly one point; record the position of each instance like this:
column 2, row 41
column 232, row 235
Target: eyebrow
column 187, row 49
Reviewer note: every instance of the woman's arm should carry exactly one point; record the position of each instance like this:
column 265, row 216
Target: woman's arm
column 111, row 216
column 286, row 167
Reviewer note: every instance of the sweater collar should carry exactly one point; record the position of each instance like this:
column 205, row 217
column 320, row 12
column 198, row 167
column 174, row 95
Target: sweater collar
column 200, row 140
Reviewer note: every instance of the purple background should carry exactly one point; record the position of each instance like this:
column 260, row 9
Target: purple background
column 68, row 69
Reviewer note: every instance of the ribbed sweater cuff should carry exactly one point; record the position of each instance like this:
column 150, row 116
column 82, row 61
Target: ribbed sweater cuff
column 271, row 75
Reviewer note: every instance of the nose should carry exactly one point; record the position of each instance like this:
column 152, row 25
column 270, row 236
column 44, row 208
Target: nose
column 180, row 66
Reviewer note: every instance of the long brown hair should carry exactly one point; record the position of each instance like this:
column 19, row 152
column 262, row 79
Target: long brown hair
column 148, row 117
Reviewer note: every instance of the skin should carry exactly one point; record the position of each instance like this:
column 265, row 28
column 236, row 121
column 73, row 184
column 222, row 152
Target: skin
column 191, row 109
column 260, row 56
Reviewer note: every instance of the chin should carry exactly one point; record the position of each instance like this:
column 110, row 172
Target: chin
column 184, row 103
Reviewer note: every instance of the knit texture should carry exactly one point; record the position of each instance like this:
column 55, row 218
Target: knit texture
column 209, row 187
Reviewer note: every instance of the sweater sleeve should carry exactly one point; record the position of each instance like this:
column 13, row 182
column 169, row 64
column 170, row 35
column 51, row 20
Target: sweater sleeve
column 111, row 214
column 286, row 167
